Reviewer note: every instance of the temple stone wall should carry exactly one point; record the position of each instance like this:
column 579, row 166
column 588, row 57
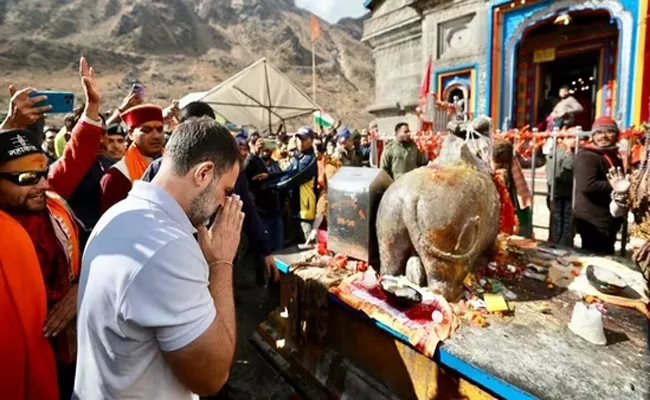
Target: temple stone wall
column 455, row 35
column 388, row 6
column 395, row 34
column 402, row 39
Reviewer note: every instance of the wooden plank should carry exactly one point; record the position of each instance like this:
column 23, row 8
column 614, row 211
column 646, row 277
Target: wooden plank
column 406, row 372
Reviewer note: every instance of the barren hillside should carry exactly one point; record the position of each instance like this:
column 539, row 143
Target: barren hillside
column 179, row 46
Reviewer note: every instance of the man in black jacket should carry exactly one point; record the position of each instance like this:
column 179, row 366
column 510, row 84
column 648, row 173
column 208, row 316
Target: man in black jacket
column 596, row 226
column 301, row 179
column 266, row 199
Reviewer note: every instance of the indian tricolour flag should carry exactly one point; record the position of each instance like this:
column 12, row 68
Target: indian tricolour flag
column 322, row 119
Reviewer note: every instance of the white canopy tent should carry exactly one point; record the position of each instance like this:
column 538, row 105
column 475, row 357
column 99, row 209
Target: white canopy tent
column 259, row 95
column 190, row 98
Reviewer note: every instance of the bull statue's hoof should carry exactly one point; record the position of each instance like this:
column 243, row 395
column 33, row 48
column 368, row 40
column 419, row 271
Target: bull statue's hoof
column 415, row 272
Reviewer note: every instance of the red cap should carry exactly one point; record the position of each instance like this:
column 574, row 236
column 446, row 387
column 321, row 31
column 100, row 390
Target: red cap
column 604, row 124
column 138, row 115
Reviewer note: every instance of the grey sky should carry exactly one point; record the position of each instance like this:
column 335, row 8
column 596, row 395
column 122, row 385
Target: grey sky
column 333, row 10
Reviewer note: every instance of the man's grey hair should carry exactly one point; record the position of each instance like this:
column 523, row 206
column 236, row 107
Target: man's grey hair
column 199, row 140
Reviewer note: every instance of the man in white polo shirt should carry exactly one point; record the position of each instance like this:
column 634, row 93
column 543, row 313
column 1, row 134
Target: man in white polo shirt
column 156, row 313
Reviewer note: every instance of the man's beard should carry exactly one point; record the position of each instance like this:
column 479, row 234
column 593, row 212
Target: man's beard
column 24, row 208
column 202, row 207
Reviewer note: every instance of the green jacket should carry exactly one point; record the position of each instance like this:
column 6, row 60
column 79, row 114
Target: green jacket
column 348, row 158
column 400, row 158
column 563, row 173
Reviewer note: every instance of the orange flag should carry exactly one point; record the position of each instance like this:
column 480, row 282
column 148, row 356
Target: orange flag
column 315, row 28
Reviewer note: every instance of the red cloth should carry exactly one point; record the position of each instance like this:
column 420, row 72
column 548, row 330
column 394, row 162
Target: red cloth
column 114, row 186
column 51, row 257
column 79, row 155
column 136, row 116
column 414, row 322
column 27, row 367
column 638, row 152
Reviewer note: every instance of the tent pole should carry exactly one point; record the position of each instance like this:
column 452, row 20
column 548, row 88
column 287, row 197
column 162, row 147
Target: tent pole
column 313, row 69
column 268, row 93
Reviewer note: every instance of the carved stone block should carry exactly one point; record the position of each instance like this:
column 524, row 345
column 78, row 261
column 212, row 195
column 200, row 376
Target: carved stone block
column 455, row 35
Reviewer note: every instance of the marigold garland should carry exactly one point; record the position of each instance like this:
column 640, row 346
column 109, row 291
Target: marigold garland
column 429, row 143
column 526, row 140
column 508, row 222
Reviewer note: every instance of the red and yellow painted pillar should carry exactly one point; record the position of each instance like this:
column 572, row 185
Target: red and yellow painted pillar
column 642, row 84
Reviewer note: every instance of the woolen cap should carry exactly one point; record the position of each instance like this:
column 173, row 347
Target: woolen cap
column 604, row 124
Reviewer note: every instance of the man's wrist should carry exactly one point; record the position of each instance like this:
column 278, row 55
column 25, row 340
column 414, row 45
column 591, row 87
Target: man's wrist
column 92, row 111
column 7, row 124
column 216, row 262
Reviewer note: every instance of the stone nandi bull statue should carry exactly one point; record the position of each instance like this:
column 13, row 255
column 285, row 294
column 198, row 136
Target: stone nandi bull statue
column 434, row 222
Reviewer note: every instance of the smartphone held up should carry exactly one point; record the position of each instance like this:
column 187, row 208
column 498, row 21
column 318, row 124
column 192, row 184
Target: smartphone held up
column 61, row 102
column 138, row 89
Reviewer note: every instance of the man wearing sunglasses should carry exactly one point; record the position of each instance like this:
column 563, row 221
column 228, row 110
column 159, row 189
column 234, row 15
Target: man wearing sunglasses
column 40, row 255
column 146, row 128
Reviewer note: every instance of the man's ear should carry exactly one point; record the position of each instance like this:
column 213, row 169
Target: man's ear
column 204, row 173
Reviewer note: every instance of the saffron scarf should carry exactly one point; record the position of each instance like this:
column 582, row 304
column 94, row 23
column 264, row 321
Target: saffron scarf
column 28, row 369
column 135, row 162
column 66, row 230
column 67, row 234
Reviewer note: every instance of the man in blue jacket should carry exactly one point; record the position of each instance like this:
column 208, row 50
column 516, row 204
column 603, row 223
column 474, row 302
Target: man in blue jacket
column 301, row 179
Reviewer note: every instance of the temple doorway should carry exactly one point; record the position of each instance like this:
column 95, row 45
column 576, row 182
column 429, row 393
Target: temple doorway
column 577, row 49
column 580, row 73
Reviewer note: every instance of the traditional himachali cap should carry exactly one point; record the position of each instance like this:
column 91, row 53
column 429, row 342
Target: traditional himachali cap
column 138, row 115
column 17, row 143
column 604, row 124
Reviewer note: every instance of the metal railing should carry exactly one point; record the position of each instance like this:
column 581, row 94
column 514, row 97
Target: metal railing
column 578, row 133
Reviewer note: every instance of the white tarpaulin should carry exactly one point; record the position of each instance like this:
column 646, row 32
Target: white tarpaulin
column 190, row 98
column 260, row 95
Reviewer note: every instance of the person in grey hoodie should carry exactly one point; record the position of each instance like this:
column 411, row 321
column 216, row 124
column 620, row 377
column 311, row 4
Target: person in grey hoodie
column 559, row 168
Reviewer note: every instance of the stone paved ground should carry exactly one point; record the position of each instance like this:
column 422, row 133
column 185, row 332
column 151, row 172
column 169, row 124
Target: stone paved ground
column 251, row 377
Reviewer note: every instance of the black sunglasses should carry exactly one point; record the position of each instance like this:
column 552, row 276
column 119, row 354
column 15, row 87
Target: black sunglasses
column 25, row 178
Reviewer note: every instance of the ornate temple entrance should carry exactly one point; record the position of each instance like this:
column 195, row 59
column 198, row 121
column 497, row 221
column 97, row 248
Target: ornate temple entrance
column 577, row 49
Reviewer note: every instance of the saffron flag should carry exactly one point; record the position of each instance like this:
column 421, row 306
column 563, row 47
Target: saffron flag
column 426, row 103
column 425, row 87
column 315, row 28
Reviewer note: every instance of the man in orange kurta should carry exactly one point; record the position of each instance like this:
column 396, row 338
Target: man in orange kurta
column 39, row 249
column 27, row 370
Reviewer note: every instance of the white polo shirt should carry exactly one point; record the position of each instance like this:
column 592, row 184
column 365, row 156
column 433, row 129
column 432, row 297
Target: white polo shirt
column 143, row 291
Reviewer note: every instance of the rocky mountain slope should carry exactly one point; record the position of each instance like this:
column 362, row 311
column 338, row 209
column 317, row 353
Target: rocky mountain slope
column 179, row 46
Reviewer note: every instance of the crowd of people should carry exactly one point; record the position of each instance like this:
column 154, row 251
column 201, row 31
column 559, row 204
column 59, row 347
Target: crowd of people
column 100, row 214
column 126, row 226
